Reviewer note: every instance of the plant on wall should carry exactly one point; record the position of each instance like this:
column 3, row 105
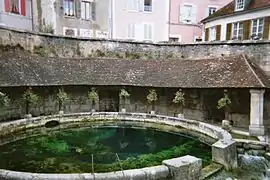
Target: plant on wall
column 123, row 94
column 62, row 96
column 224, row 102
column 179, row 99
column 4, row 100
column 93, row 96
column 30, row 98
column 152, row 98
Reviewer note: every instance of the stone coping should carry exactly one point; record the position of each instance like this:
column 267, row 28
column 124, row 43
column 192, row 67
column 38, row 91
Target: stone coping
column 166, row 43
column 193, row 125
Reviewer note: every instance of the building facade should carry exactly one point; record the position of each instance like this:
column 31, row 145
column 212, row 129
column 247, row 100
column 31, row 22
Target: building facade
column 185, row 17
column 83, row 18
column 16, row 14
column 239, row 20
column 140, row 20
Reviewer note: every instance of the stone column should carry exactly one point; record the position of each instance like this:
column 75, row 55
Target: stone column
column 256, row 127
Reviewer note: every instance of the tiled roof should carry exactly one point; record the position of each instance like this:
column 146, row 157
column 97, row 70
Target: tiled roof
column 229, row 9
column 23, row 69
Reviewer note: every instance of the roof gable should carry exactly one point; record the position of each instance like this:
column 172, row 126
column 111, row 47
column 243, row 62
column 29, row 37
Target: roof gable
column 229, row 9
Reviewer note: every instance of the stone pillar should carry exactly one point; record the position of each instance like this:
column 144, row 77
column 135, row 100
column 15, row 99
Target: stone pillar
column 184, row 168
column 256, row 127
column 224, row 152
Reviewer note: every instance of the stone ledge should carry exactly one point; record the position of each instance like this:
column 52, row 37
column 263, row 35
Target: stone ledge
column 193, row 125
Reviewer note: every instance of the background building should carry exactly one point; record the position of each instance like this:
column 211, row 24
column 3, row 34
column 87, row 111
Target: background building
column 239, row 20
column 84, row 18
column 185, row 17
column 16, row 14
column 141, row 20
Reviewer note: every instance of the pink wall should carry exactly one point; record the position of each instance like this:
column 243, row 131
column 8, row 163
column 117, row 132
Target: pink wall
column 188, row 31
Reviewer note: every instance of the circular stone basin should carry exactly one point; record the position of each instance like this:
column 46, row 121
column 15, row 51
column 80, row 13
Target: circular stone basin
column 74, row 150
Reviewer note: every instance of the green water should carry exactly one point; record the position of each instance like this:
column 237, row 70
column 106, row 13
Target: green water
column 71, row 151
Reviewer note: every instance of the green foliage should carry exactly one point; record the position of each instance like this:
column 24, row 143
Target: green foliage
column 124, row 94
column 93, row 95
column 62, row 96
column 152, row 96
column 4, row 100
column 224, row 101
column 30, row 97
column 179, row 97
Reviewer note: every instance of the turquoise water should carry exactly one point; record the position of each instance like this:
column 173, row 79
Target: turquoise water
column 76, row 150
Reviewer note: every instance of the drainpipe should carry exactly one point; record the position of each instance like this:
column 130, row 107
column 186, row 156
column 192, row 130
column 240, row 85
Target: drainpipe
column 111, row 19
column 32, row 14
column 169, row 27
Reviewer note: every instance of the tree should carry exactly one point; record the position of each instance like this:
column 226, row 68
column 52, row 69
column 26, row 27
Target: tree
column 225, row 102
column 152, row 98
column 93, row 96
column 4, row 100
column 62, row 96
column 123, row 94
column 30, row 98
column 179, row 99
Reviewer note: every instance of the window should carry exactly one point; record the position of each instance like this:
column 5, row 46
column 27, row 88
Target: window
column 173, row 39
column 132, row 5
column 237, row 30
column 213, row 33
column 211, row 10
column 187, row 13
column 148, row 5
column 148, row 31
column 15, row 6
column 86, row 10
column 131, row 31
column 257, row 27
column 239, row 5
column 69, row 8
column 70, row 31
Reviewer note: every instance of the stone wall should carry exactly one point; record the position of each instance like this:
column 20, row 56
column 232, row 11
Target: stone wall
column 49, row 45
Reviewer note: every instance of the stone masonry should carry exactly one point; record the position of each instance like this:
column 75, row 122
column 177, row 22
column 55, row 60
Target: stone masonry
column 49, row 45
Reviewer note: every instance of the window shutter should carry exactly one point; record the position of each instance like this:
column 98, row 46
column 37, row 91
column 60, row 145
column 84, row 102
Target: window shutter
column 7, row 5
column 83, row 8
column 218, row 32
column 206, row 38
column 78, row 9
column 181, row 12
column 61, row 6
column 246, row 29
column 23, row 10
column 229, row 31
column 139, row 5
column 193, row 14
column 93, row 5
column 266, row 30
column 150, row 31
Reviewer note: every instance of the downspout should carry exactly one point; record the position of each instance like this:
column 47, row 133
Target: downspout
column 111, row 19
column 32, row 14
column 169, row 27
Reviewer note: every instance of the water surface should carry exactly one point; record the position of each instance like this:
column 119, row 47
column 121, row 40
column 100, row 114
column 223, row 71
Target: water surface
column 75, row 150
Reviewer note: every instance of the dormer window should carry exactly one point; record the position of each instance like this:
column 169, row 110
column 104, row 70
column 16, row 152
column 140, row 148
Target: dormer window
column 239, row 5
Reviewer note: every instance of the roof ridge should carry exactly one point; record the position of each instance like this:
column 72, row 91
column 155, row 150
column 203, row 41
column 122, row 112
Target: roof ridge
column 252, row 70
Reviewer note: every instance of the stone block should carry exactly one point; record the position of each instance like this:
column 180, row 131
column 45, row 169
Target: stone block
column 256, row 130
column 224, row 152
column 184, row 168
